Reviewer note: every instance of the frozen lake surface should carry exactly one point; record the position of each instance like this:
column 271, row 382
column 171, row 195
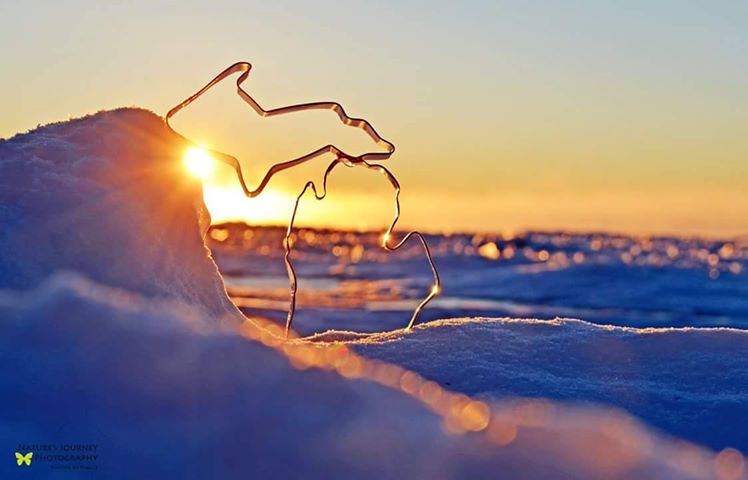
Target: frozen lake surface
column 348, row 282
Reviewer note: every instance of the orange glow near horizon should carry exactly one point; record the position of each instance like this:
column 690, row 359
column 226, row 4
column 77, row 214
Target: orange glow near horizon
column 621, row 212
column 227, row 204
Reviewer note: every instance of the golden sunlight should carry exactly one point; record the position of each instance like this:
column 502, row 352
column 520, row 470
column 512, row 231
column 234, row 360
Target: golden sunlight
column 230, row 204
column 199, row 162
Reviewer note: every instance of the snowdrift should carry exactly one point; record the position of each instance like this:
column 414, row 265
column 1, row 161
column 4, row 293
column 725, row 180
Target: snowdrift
column 133, row 352
column 107, row 195
column 165, row 395
column 691, row 382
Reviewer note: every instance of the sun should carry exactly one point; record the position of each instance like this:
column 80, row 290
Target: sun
column 199, row 162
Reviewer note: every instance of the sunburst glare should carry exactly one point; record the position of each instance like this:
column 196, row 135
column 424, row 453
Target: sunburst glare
column 199, row 162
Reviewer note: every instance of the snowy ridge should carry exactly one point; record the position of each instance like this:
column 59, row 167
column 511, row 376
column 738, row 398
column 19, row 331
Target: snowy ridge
column 395, row 335
column 91, row 194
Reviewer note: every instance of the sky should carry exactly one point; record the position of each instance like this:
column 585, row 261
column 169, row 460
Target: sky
column 507, row 115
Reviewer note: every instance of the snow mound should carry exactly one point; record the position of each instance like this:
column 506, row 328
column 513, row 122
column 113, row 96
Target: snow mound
column 107, row 195
column 164, row 395
column 689, row 382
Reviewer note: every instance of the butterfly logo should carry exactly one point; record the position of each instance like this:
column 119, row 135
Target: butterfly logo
column 21, row 459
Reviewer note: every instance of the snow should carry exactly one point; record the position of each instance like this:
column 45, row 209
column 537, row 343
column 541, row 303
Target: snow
column 164, row 395
column 689, row 382
column 91, row 194
column 115, row 329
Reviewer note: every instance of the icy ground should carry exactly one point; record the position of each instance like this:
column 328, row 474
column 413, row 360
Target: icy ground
column 139, row 352
column 601, row 278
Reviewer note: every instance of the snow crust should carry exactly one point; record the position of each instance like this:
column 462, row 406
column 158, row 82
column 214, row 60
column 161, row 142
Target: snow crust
column 690, row 382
